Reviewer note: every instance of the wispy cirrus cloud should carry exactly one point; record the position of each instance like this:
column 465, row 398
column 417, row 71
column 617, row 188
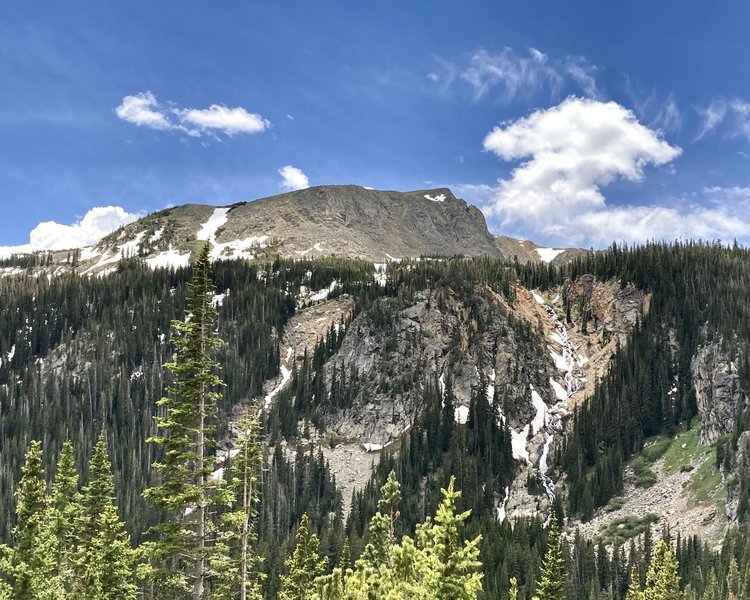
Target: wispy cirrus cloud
column 509, row 74
column 144, row 110
column 733, row 113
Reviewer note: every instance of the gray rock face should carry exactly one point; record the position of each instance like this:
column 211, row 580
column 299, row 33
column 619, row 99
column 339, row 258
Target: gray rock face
column 431, row 341
column 718, row 393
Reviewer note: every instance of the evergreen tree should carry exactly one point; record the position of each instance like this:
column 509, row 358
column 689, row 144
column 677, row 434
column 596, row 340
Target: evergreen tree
column 634, row 588
column 187, row 493
column 105, row 557
column 65, row 510
column 30, row 567
column 662, row 580
column 304, row 565
column 551, row 586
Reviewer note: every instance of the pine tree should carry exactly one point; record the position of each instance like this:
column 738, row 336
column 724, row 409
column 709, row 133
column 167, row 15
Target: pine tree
column 552, row 584
column 304, row 565
column 181, row 555
column 513, row 591
column 105, row 558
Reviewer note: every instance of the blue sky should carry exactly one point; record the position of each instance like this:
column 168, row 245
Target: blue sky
column 576, row 122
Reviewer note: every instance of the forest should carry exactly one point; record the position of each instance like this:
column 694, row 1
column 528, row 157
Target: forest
column 117, row 393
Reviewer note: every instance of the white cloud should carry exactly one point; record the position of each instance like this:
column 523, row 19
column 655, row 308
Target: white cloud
column 523, row 75
column 221, row 118
column 735, row 112
column 292, row 179
column 95, row 224
column 572, row 151
column 143, row 109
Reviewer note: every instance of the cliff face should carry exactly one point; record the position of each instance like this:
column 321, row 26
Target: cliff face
column 719, row 395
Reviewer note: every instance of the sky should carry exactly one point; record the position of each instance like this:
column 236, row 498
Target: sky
column 574, row 123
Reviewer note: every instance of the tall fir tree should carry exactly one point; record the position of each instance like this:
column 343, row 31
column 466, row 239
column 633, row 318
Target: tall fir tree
column 662, row 580
column 105, row 557
column 30, row 567
column 65, row 510
column 304, row 565
column 186, row 493
column 551, row 586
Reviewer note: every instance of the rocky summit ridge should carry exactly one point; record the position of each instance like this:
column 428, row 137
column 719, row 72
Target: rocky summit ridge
column 332, row 220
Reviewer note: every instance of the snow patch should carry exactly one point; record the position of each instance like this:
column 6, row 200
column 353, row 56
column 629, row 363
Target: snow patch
column 380, row 274
column 438, row 198
column 169, row 259
column 371, row 447
column 560, row 392
column 540, row 419
column 286, row 375
column 537, row 297
column 208, row 231
column 548, row 254
column 518, row 443
column 461, row 414
column 238, row 248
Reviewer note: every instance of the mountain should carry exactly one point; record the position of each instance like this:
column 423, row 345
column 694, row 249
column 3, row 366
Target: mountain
column 343, row 221
column 608, row 389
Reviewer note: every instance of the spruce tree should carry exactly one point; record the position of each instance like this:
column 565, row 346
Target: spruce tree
column 634, row 588
column 105, row 557
column 552, row 583
column 187, row 494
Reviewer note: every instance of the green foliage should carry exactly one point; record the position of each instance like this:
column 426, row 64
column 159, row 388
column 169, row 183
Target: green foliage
column 303, row 566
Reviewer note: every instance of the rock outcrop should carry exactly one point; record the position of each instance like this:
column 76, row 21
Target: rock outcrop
column 718, row 393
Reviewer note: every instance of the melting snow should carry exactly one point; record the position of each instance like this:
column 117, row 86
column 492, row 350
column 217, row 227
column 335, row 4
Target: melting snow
column 540, row 419
column 560, row 361
column 168, row 259
column 380, row 274
column 537, row 297
column 560, row 392
column 286, row 375
column 218, row 299
column 548, row 254
column 238, row 248
column 438, row 198
column 461, row 414
column 518, row 443
column 371, row 447
column 209, row 228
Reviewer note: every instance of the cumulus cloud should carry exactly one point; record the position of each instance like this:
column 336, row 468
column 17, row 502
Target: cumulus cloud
column 95, row 224
column 144, row 110
column 292, row 179
column 524, row 74
column 221, row 118
column 566, row 155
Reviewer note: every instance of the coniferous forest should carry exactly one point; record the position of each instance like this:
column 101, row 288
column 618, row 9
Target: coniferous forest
column 138, row 459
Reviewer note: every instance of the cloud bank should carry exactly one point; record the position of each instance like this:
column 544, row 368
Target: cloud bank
column 144, row 110
column 95, row 224
column 292, row 179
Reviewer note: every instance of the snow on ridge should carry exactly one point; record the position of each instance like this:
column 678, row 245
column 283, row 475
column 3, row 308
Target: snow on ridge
column 208, row 230
column 548, row 254
column 169, row 259
column 438, row 198
column 237, row 248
